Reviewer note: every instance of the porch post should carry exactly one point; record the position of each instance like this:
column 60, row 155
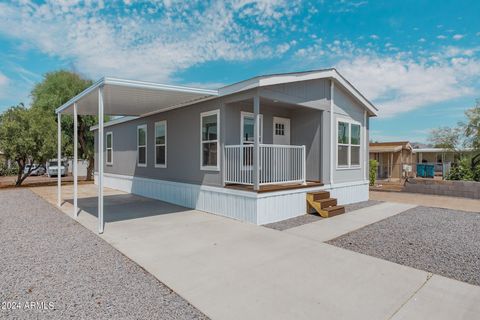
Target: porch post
column 59, row 159
column 256, row 145
column 75, row 161
column 100, row 160
column 332, row 131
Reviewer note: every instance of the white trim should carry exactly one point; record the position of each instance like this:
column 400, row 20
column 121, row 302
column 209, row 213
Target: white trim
column 142, row 165
column 158, row 123
column 217, row 141
column 114, row 122
column 243, row 114
column 349, row 145
column 109, row 133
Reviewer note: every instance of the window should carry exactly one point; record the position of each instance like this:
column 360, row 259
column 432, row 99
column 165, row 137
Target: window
column 161, row 144
column 109, row 148
column 248, row 134
column 142, row 145
column 279, row 129
column 248, row 121
column 348, row 144
column 209, row 138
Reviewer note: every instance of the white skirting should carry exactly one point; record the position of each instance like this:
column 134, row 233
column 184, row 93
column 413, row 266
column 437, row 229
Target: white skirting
column 241, row 205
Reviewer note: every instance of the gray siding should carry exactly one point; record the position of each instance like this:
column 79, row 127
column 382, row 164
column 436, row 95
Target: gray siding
column 183, row 147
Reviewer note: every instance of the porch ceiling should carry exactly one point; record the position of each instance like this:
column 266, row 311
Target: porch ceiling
column 134, row 98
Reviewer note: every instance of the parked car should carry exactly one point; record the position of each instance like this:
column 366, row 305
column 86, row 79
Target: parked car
column 52, row 170
column 36, row 171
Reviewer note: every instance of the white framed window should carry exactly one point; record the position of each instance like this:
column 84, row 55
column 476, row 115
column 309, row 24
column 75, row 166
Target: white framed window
column 247, row 136
column 348, row 143
column 109, row 148
column 209, row 140
column 142, row 145
column 247, row 128
column 161, row 144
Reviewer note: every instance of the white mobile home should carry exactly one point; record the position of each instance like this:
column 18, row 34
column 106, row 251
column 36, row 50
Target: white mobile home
column 251, row 151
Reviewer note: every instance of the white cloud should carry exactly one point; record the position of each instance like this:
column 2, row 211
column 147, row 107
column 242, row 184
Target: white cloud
column 441, row 37
column 458, row 36
column 422, row 40
column 374, row 36
column 150, row 42
column 401, row 81
column 399, row 84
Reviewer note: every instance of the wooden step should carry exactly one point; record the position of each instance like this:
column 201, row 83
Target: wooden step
column 325, row 203
column 335, row 210
column 321, row 203
column 320, row 195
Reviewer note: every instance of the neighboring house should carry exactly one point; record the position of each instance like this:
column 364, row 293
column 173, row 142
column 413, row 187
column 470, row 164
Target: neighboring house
column 441, row 158
column 199, row 148
column 395, row 159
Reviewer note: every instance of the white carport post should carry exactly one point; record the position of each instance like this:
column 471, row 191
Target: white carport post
column 256, row 146
column 59, row 159
column 100, row 159
column 75, row 161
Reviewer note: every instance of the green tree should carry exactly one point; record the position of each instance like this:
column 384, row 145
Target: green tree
column 447, row 138
column 472, row 126
column 25, row 137
column 57, row 88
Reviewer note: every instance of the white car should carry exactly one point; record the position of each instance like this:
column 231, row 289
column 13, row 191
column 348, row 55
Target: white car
column 52, row 170
column 36, row 171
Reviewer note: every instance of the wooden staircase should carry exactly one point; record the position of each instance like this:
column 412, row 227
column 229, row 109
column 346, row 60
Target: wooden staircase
column 321, row 203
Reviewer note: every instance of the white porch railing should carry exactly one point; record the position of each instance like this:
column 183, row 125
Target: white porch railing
column 278, row 164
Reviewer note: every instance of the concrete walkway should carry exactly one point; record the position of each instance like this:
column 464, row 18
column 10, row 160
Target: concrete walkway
column 455, row 203
column 234, row 270
column 327, row 229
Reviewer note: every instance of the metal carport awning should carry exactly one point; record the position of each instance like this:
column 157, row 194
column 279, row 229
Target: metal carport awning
column 118, row 97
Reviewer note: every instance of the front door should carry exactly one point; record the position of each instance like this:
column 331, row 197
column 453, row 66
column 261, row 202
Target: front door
column 281, row 131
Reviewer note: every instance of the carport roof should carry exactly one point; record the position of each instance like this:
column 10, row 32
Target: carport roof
column 134, row 98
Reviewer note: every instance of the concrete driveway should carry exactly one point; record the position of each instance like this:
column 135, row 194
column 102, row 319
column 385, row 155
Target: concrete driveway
column 234, row 270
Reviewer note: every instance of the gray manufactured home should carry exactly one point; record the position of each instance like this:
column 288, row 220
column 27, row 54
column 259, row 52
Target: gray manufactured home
column 252, row 151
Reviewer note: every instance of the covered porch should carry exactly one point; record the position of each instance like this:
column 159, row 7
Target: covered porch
column 271, row 144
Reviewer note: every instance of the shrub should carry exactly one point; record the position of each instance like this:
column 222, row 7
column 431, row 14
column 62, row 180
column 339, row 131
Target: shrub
column 476, row 173
column 5, row 171
column 461, row 171
column 372, row 174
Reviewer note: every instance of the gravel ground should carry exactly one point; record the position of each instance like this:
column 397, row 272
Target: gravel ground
column 441, row 241
column 49, row 258
column 309, row 218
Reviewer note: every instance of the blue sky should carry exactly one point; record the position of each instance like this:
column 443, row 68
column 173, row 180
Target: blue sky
column 418, row 61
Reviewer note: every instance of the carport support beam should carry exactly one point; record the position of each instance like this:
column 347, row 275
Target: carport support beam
column 75, row 161
column 59, row 159
column 100, row 159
